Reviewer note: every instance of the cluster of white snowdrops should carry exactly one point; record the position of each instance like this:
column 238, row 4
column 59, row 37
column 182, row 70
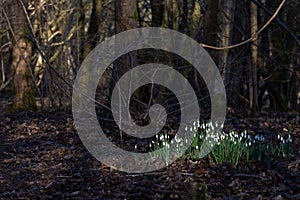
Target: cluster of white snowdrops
column 225, row 146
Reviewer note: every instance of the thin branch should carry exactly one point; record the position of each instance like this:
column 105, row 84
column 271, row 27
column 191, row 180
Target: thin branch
column 4, row 47
column 280, row 23
column 4, row 84
column 253, row 37
column 62, row 78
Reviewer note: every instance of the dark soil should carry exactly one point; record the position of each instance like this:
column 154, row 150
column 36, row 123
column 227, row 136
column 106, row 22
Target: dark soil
column 42, row 157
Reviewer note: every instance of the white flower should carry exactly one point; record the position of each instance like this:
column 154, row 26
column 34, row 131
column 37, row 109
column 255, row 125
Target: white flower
column 222, row 137
column 216, row 124
column 195, row 128
column 290, row 138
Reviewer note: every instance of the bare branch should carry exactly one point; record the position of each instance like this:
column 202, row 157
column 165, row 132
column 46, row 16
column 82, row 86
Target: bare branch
column 280, row 23
column 253, row 37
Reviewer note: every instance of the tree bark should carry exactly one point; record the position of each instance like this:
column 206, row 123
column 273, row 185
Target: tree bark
column 93, row 35
column 157, row 8
column 24, row 95
column 126, row 19
column 227, row 24
column 254, row 52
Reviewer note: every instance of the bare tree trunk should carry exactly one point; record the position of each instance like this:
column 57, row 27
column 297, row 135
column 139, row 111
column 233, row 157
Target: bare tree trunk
column 227, row 24
column 209, row 29
column 253, row 69
column 195, row 19
column 171, row 14
column 125, row 19
column 93, row 36
column 157, row 8
column 24, row 95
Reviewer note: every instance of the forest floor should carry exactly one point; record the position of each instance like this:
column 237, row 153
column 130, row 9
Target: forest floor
column 42, row 157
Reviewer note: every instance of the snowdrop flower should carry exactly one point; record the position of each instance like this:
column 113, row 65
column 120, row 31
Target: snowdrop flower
column 290, row 138
column 135, row 146
column 194, row 128
column 216, row 124
column 240, row 139
column 178, row 140
column 281, row 138
column 222, row 137
column 202, row 126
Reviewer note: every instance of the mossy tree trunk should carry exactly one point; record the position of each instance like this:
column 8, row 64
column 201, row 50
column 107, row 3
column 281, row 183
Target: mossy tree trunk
column 24, row 95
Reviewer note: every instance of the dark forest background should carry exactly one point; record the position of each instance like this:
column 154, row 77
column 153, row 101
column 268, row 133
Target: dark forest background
column 255, row 44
